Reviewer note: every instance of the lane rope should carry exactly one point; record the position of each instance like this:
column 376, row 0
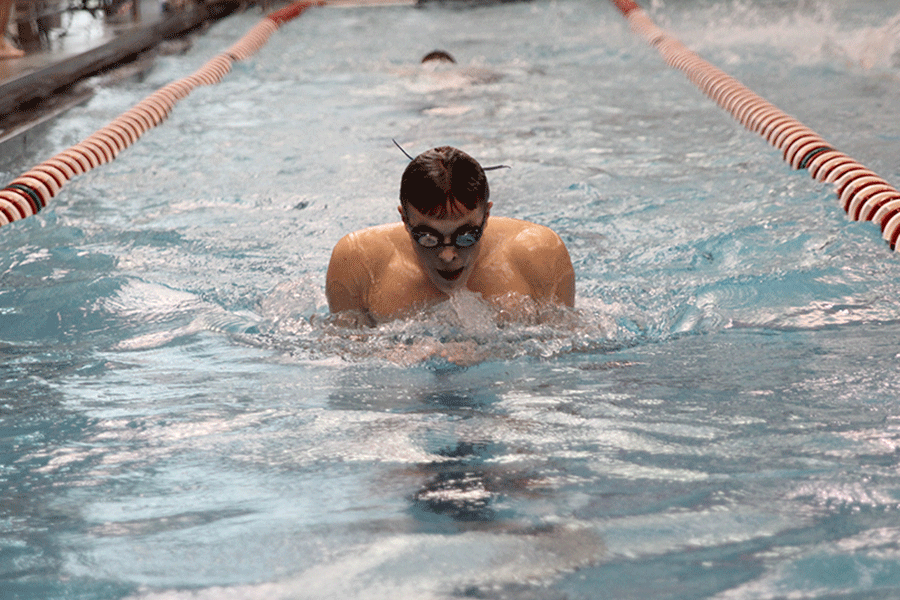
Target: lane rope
column 862, row 194
column 29, row 193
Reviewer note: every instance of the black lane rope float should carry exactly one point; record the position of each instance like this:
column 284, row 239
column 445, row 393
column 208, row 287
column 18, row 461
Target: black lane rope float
column 29, row 193
column 863, row 195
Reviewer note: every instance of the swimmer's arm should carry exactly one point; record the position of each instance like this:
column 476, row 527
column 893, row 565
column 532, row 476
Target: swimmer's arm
column 564, row 291
column 345, row 283
column 547, row 267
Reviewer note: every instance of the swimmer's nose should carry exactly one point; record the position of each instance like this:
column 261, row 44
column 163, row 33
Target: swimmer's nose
column 448, row 253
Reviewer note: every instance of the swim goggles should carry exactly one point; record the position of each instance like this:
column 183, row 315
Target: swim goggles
column 464, row 237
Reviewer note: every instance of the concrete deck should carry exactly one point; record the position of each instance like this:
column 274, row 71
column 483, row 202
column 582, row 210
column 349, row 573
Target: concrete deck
column 41, row 83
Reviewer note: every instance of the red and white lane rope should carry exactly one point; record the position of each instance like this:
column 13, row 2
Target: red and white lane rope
column 29, row 193
column 863, row 194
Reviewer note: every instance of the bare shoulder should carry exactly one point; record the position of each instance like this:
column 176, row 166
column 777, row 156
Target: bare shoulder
column 526, row 240
column 372, row 241
column 357, row 261
column 540, row 256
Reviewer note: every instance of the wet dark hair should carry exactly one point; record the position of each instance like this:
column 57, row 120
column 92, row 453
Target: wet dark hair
column 438, row 55
column 442, row 181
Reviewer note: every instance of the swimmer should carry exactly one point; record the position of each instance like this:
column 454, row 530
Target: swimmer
column 438, row 56
column 445, row 242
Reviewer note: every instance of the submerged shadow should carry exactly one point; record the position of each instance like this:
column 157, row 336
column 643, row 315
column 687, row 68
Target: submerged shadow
column 458, row 492
column 470, row 486
column 478, row 497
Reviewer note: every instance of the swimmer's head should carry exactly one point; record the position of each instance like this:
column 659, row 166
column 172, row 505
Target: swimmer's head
column 444, row 182
column 438, row 56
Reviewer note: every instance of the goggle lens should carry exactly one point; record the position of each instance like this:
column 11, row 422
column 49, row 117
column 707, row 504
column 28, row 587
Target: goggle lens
column 466, row 239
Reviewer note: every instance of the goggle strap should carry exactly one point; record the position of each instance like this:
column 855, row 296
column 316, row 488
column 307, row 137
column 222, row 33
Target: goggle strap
column 482, row 168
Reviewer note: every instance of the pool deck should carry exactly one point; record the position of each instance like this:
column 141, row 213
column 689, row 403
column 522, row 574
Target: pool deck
column 43, row 83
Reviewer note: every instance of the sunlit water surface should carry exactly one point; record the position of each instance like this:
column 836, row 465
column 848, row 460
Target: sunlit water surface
column 718, row 418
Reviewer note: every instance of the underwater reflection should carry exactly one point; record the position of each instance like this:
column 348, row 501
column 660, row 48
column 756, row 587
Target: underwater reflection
column 471, row 485
column 470, row 489
column 459, row 492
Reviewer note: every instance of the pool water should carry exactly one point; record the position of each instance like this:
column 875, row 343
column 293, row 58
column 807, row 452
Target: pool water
column 717, row 418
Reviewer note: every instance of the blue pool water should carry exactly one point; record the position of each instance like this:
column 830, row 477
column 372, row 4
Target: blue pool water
column 718, row 418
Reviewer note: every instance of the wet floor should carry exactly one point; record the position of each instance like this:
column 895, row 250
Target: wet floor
column 77, row 44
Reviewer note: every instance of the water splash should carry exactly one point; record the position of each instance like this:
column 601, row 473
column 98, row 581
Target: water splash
column 807, row 32
column 462, row 330
column 879, row 47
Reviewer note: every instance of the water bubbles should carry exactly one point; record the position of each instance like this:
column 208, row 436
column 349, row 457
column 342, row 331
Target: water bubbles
column 463, row 330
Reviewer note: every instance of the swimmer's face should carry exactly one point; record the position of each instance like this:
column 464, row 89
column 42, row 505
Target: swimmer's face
column 449, row 263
